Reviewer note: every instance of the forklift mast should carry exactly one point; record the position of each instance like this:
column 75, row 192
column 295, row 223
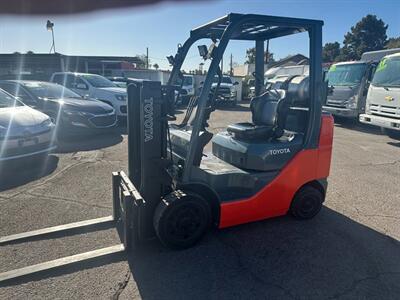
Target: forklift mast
column 147, row 145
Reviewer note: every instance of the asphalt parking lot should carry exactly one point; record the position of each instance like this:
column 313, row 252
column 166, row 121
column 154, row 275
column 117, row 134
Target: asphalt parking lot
column 351, row 250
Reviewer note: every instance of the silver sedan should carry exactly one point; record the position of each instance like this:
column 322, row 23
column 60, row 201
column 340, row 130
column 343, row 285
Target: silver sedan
column 24, row 131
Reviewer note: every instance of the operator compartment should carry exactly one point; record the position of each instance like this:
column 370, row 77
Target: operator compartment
column 275, row 135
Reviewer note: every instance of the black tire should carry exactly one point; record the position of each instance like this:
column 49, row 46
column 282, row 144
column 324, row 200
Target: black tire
column 394, row 134
column 307, row 203
column 181, row 219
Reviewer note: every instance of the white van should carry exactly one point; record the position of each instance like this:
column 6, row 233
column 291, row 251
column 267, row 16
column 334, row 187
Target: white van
column 383, row 100
column 96, row 87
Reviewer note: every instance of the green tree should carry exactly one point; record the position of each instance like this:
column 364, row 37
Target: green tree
column 368, row 34
column 330, row 52
column 156, row 66
column 393, row 43
column 251, row 56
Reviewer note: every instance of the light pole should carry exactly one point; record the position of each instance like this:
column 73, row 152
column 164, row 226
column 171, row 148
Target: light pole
column 49, row 27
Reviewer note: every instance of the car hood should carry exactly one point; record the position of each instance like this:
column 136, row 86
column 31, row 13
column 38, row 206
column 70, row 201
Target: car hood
column 114, row 90
column 84, row 105
column 21, row 116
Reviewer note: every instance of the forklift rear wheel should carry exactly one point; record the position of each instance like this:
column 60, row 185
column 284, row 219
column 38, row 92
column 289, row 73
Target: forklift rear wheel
column 307, row 202
column 181, row 219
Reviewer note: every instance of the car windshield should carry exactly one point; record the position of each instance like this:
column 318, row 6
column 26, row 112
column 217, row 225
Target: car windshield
column 120, row 84
column 8, row 101
column 99, row 81
column 388, row 72
column 50, row 90
column 346, row 75
column 225, row 79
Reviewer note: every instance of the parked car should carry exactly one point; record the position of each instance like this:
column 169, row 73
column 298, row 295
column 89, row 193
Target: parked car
column 119, row 81
column 226, row 92
column 24, row 131
column 187, row 89
column 72, row 114
column 96, row 87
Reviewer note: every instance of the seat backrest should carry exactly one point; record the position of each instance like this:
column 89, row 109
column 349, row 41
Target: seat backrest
column 265, row 109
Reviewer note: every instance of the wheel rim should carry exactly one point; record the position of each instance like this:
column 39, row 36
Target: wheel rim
column 310, row 205
column 185, row 223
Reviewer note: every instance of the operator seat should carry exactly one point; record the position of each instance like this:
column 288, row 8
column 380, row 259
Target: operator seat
column 268, row 115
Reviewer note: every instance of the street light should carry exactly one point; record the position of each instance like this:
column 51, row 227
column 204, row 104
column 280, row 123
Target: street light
column 49, row 27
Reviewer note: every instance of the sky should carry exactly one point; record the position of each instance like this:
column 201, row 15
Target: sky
column 160, row 27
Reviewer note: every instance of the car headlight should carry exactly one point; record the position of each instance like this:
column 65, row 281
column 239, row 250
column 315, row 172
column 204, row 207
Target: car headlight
column 78, row 113
column 120, row 97
column 46, row 122
column 352, row 103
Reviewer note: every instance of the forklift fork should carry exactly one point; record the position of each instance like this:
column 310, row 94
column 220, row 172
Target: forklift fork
column 127, row 205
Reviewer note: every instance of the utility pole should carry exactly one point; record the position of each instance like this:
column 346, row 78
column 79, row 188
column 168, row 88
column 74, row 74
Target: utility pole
column 267, row 53
column 147, row 57
column 231, row 64
column 222, row 64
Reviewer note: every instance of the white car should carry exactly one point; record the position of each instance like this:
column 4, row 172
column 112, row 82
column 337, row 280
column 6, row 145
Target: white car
column 96, row 87
column 24, row 131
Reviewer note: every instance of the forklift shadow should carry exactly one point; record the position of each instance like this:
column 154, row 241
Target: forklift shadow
column 88, row 143
column 328, row 257
column 17, row 173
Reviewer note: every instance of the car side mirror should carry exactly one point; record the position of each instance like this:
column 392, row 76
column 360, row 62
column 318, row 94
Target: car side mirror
column 81, row 86
column 235, row 83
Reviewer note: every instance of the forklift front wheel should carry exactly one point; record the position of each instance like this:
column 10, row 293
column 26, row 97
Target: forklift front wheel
column 307, row 202
column 181, row 219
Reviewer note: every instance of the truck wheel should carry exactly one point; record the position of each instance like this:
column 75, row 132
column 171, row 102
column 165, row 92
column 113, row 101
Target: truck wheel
column 394, row 134
column 181, row 219
column 306, row 203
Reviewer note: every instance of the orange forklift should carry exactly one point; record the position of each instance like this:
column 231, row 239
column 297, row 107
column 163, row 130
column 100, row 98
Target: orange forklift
column 277, row 163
